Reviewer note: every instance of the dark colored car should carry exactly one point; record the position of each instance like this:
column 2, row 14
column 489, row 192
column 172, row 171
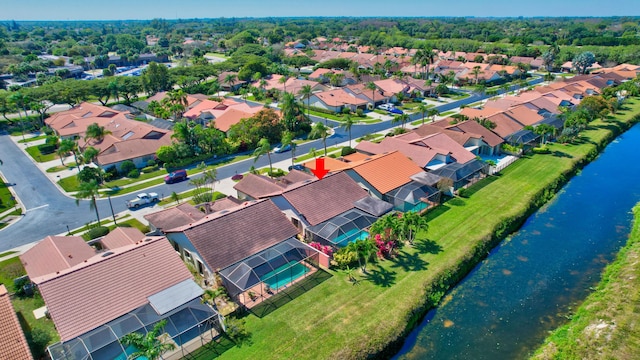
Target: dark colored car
column 175, row 176
column 297, row 167
column 396, row 111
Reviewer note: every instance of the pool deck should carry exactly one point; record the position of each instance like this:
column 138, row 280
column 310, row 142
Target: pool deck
column 262, row 295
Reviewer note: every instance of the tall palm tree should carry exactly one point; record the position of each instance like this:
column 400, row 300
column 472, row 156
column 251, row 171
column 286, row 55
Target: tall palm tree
column 151, row 345
column 214, row 88
column 306, row 92
column 422, row 108
column 347, row 123
column 410, row 223
column 476, row 71
column 96, row 132
column 263, row 148
column 320, row 130
column 69, row 146
column 230, row 80
column 371, row 86
column 402, row 119
column 89, row 154
column 89, row 190
column 19, row 100
column 287, row 139
column 432, row 113
column 283, row 81
column 178, row 102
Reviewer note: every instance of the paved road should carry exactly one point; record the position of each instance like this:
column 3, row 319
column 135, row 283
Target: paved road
column 49, row 212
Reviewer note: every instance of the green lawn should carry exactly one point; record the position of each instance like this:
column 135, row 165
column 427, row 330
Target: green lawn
column 319, row 152
column 24, row 306
column 605, row 325
column 339, row 320
column 447, row 113
column 7, row 253
column 35, row 138
column 35, row 154
column 133, row 223
column 6, row 201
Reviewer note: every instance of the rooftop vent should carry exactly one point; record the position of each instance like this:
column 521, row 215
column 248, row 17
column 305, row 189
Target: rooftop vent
column 107, row 254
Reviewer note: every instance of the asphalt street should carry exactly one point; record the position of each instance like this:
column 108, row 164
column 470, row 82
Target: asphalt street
column 50, row 212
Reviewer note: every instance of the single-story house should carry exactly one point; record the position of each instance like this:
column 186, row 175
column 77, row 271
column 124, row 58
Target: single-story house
column 96, row 297
column 14, row 343
column 254, row 187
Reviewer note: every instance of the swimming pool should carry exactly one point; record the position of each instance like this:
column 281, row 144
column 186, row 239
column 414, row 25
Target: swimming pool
column 284, row 275
column 350, row 236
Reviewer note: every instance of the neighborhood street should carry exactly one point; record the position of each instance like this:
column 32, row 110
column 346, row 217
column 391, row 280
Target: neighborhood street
column 49, row 212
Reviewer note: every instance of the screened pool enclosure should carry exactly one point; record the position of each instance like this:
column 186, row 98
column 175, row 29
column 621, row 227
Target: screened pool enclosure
column 339, row 231
column 269, row 271
column 413, row 196
column 190, row 321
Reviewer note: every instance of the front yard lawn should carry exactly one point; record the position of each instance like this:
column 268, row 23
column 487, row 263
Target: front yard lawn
column 37, row 156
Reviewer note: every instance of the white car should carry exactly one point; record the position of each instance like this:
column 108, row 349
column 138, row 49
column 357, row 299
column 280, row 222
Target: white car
column 385, row 107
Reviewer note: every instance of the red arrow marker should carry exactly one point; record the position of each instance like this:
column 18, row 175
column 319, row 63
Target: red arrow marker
column 319, row 171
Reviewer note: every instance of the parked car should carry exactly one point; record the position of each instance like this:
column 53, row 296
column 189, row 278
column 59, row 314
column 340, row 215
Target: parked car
column 395, row 111
column 143, row 199
column 175, row 176
column 297, row 167
column 281, row 149
column 385, row 107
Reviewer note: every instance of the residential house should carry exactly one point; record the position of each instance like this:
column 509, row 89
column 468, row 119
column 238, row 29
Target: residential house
column 474, row 137
column 253, row 247
column 254, row 187
column 134, row 283
column 388, row 177
column 126, row 139
column 14, row 344
column 338, row 99
column 230, row 85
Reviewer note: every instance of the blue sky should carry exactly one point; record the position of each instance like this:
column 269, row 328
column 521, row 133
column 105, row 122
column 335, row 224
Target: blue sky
column 148, row 9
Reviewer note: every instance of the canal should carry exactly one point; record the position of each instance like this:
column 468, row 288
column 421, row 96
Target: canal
column 529, row 284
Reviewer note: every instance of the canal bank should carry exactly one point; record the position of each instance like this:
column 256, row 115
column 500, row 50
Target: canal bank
column 525, row 287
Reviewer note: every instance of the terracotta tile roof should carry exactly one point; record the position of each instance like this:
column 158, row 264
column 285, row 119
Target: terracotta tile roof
column 106, row 287
column 480, row 113
column 176, row 216
column 388, row 171
column 391, row 86
column 418, row 154
column 14, row 344
column 339, row 97
column 121, row 236
column 330, row 164
column 443, row 144
column 233, row 115
column 55, row 253
column 320, row 72
column 224, row 238
column 260, row 186
column 505, row 125
column 524, row 115
column 321, row 200
column 473, row 127
column 131, row 149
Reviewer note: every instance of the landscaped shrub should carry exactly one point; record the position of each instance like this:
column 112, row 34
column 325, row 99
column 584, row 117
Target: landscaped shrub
column 89, row 173
column 346, row 110
column 151, row 162
column 326, row 249
column 111, row 174
column 149, row 169
column 47, row 148
column 133, row 174
column 276, row 173
column 359, row 112
column 463, row 192
column 343, row 258
column 127, row 166
column 96, row 232
column 333, row 156
column 541, row 150
column 347, row 150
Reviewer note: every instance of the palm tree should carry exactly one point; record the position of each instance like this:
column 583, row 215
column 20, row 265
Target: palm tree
column 178, row 102
column 371, row 86
column 410, row 223
column 544, row 130
column 320, row 130
column 230, row 80
column 210, row 176
column 263, row 148
column 312, row 151
column 287, row 140
column 432, row 113
column 347, row 123
column 306, row 92
column 89, row 190
column 89, row 154
column 20, row 100
column 96, row 132
column 283, row 81
column 214, row 88
column 422, row 108
column 363, row 249
column 69, row 146
column 150, row 346
column 476, row 71
column 402, row 119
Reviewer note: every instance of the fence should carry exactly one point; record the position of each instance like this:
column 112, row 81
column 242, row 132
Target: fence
column 503, row 164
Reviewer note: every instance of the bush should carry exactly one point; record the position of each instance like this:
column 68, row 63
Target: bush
column 111, row 173
column 96, row 232
column 359, row 113
column 343, row 258
column 541, row 150
column 149, row 169
column 47, row 148
column 127, row 166
column 89, row 173
column 346, row 110
column 133, row 174
column 347, row 150
column 463, row 193
column 151, row 163
column 333, row 156
column 38, row 339
column 276, row 173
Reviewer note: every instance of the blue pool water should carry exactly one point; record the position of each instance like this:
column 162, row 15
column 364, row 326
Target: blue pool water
column 350, row 236
column 495, row 158
column 284, row 275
